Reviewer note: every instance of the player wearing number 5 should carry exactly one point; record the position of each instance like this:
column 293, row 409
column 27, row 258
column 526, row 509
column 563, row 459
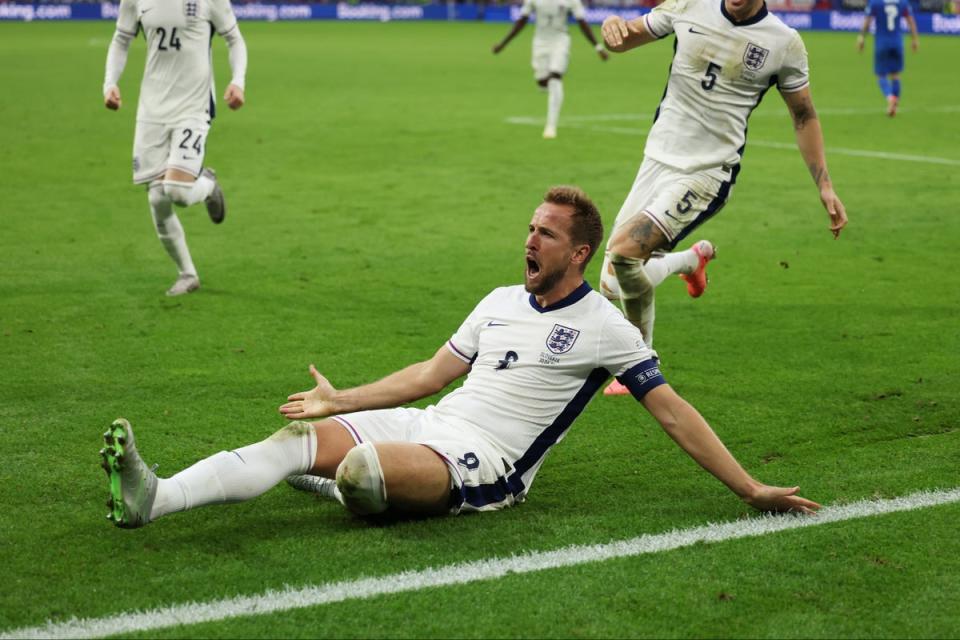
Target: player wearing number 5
column 175, row 109
column 727, row 54
column 888, row 45
column 551, row 48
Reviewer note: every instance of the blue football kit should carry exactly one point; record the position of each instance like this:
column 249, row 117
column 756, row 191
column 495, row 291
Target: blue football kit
column 888, row 47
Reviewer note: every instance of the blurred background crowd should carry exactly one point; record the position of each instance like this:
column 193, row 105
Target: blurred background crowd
column 929, row 6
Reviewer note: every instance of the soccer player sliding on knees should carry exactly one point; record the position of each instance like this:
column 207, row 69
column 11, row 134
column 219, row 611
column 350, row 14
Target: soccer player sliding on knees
column 533, row 355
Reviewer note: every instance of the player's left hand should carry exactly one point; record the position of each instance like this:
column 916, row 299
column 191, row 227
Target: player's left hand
column 915, row 45
column 835, row 209
column 860, row 43
column 234, row 97
column 767, row 498
column 603, row 55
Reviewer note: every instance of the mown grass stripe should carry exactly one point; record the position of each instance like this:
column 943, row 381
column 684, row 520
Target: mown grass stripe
column 844, row 151
column 296, row 598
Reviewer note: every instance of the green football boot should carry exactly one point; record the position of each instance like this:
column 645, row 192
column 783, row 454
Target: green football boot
column 133, row 485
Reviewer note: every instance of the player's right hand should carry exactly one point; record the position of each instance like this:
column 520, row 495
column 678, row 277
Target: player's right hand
column 780, row 499
column 316, row 403
column 860, row 43
column 111, row 99
column 497, row 48
column 835, row 209
column 614, row 29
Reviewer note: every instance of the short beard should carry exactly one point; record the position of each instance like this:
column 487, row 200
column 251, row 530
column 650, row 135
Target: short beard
column 549, row 282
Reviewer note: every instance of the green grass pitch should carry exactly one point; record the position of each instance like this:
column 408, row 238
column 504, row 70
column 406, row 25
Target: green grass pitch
column 377, row 190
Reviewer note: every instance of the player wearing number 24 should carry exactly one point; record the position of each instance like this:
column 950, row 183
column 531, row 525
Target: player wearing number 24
column 728, row 53
column 175, row 110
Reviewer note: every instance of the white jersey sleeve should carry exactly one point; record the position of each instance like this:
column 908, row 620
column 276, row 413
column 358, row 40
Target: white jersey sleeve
column 624, row 354
column 465, row 343
column 659, row 22
column 794, row 73
column 225, row 23
column 221, row 16
column 621, row 345
column 127, row 21
column 577, row 10
column 127, row 25
column 527, row 9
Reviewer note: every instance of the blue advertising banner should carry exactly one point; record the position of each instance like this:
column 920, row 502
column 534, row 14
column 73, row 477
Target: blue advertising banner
column 378, row 12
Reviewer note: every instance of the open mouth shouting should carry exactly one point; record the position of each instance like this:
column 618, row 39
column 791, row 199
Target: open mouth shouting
column 533, row 268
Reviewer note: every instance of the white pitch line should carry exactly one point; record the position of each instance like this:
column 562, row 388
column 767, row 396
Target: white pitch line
column 463, row 573
column 768, row 113
column 575, row 122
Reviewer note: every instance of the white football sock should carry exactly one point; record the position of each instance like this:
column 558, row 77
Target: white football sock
column 241, row 474
column 169, row 229
column 659, row 267
column 636, row 294
column 188, row 193
column 554, row 101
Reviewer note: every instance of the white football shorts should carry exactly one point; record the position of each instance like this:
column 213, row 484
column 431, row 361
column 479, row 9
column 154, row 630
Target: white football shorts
column 478, row 471
column 550, row 56
column 677, row 202
column 158, row 147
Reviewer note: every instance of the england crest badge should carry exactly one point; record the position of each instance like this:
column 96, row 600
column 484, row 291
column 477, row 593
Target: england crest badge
column 190, row 8
column 561, row 339
column 754, row 56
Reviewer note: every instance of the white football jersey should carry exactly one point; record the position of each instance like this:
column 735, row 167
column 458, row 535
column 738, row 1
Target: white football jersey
column 720, row 72
column 551, row 16
column 178, row 77
column 534, row 369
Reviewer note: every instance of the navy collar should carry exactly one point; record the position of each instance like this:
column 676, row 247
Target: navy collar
column 575, row 296
column 757, row 17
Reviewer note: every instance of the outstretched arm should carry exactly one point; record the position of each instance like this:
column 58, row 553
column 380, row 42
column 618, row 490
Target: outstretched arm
column 517, row 26
column 588, row 33
column 810, row 143
column 622, row 35
column 689, row 430
column 412, row 383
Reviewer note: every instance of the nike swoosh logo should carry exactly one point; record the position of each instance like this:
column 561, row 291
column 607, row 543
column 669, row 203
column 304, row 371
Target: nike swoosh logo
column 497, row 324
column 145, row 10
column 699, row 33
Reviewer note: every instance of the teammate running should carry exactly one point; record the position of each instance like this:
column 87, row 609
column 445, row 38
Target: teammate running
column 551, row 48
column 727, row 54
column 175, row 109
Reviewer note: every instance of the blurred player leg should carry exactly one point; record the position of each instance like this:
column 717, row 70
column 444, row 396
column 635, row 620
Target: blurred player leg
column 185, row 190
column 554, row 103
column 173, row 239
column 893, row 102
column 884, row 85
column 187, row 181
column 690, row 265
column 636, row 293
column 558, row 60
